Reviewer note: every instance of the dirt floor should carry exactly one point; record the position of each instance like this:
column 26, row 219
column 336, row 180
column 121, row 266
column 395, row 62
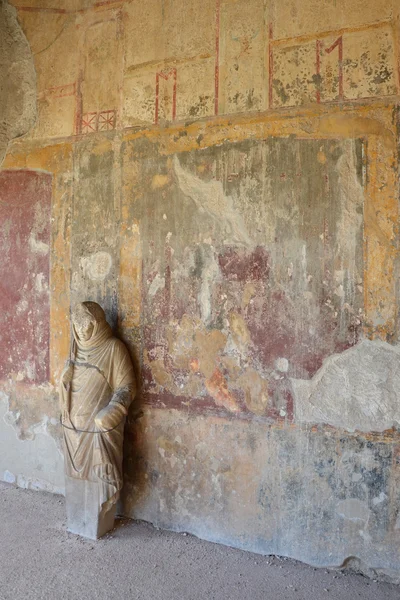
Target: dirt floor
column 39, row 559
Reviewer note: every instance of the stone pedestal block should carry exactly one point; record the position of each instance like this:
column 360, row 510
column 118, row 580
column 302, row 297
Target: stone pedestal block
column 86, row 513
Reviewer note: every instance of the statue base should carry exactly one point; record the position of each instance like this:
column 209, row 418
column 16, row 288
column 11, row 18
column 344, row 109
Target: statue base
column 87, row 515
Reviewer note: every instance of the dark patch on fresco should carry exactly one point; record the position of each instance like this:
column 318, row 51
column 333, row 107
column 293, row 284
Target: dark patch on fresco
column 382, row 76
column 280, row 91
column 25, row 209
column 182, row 133
column 200, row 107
column 246, row 101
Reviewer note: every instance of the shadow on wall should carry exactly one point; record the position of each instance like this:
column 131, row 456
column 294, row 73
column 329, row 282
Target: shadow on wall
column 133, row 463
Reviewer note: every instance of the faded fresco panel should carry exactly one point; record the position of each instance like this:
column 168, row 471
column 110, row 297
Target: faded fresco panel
column 49, row 34
column 369, row 63
column 188, row 28
column 94, row 232
column 139, row 98
column 242, row 46
column 102, row 69
column 195, row 89
column 252, row 269
column 25, row 204
column 143, row 33
column 294, row 75
column 302, row 17
column 349, row 65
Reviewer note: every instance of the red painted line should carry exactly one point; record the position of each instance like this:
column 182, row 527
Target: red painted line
column 64, row 11
column 78, row 105
column 106, row 3
column 319, row 45
column 396, row 42
column 217, row 35
column 270, row 65
column 168, row 281
column 341, row 90
column 338, row 44
column 69, row 89
column 59, row 11
column 174, row 97
column 157, row 92
column 165, row 76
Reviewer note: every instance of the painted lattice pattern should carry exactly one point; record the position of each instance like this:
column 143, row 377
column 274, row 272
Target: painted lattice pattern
column 101, row 121
column 89, row 122
column 106, row 120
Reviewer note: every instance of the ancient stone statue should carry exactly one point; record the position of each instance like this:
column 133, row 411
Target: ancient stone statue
column 96, row 389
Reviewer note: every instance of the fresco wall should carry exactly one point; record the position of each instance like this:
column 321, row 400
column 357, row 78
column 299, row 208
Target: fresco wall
column 223, row 178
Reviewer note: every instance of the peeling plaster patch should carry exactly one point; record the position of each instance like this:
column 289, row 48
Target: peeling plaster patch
column 356, row 390
column 97, row 266
column 353, row 510
column 210, row 198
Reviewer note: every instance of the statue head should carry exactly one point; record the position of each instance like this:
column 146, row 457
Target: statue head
column 87, row 319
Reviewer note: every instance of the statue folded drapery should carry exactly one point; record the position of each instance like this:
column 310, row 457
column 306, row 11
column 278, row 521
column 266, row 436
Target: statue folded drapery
column 96, row 390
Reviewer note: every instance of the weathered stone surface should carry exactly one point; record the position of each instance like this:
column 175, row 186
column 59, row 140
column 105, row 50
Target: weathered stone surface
column 320, row 495
column 85, row 515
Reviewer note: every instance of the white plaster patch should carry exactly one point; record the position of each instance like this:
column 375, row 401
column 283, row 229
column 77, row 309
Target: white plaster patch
column 282, row 365
column 22, row 306
column 355, row 390
column 379, row 499
column 365, row 535
column 40, row 283
column 208, row 275
column 9, row 477
column 35, row 464
column 210, row 198
column 353, row 509
column 30, row 369
column 38, row 247
column 157, row 284
column 97, row 266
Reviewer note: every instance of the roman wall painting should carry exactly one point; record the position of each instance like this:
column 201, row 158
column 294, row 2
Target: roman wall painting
column 252, row 271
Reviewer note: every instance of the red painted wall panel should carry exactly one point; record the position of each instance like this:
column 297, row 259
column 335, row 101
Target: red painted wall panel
column 25, row 208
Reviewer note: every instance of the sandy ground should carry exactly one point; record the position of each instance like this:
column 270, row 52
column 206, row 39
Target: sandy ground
column 39, row 559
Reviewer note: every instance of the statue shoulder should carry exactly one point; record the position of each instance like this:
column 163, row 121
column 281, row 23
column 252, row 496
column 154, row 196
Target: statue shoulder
column 119, row 346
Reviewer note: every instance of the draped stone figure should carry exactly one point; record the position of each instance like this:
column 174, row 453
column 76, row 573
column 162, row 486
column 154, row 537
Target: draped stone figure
column 96, row 389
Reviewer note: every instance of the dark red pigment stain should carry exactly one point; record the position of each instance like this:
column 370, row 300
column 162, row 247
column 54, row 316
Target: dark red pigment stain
column 25, row 205
column 238, row 265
